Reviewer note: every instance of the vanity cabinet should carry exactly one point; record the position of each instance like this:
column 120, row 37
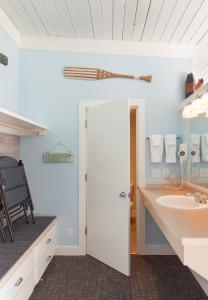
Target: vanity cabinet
column 19, row 282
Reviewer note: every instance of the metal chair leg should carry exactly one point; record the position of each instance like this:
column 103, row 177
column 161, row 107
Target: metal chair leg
column 31, row 211
column 25, row 213
column 2, row 229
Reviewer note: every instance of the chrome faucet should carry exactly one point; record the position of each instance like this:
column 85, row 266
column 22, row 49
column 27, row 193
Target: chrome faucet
column 198, row 197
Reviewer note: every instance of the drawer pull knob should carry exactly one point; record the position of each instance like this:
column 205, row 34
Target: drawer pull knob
column 49, row 258
column 20, row 279
column 48, row 241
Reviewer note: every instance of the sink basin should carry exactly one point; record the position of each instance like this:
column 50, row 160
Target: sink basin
column 180, row 202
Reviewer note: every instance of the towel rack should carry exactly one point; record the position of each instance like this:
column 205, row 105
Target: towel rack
column 178, row 137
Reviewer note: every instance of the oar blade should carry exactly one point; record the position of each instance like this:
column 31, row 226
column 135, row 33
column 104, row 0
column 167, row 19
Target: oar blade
column 81, row 73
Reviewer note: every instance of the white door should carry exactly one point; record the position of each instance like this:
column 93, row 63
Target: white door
column 108, row 184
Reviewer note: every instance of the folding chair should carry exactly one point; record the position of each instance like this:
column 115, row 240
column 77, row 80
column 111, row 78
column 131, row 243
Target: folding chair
column 15, row 196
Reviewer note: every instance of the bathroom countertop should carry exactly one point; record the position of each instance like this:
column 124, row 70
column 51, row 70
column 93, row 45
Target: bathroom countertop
column 25, row 235
column 181, row 227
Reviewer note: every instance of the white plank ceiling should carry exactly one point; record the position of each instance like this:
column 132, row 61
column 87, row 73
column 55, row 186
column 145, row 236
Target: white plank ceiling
column 160, row 21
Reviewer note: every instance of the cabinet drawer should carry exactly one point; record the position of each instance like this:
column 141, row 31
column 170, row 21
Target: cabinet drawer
column 47, row 241
column 44, row 262
column 26, row 290
column 18, row 279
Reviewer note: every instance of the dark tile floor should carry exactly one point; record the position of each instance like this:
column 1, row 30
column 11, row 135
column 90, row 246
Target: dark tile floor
column 84, row 278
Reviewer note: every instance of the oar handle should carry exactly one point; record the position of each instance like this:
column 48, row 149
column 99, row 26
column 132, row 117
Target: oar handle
column 147, row 78
column 121, row 76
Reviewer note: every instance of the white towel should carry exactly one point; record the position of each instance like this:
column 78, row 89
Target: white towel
column 204, row 147
column 195, row 148
column 156, row 148
column 170, row 148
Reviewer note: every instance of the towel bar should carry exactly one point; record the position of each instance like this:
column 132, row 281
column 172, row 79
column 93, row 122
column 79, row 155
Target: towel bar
column 178, row 137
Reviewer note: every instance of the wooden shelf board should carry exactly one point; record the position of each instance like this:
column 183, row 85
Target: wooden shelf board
column 15, row 124
column 200, row 92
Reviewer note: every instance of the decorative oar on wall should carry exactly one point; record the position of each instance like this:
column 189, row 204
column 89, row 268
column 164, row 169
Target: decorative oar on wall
column 97, row 74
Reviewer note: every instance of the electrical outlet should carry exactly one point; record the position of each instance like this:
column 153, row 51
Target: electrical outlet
column 195, row 172
column 70, row 232
column 203, row 172
column 156, row 173
column 206, row 172
column 166, row 173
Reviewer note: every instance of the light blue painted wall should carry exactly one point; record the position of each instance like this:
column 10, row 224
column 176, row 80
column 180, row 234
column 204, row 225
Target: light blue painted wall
column 153, row 235
column 9, row 75
column 199, row 125
column 47, row 97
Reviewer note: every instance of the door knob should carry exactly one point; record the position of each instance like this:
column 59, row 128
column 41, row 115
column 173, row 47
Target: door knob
column 122, row 195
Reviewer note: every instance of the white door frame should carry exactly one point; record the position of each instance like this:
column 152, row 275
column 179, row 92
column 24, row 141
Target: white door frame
column 83, row 105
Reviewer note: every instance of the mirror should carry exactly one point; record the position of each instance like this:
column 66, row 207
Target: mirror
column 199, row 150
column 198, row 136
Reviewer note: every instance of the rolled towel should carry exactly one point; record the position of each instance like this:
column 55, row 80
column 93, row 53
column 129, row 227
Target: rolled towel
column 170, row 148
column 195, row 148
column 156, row 148
column 204, row 147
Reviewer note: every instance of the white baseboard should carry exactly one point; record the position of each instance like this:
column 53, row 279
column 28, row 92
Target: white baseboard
column 69, row 250
column 157, row 250
column 202, row 282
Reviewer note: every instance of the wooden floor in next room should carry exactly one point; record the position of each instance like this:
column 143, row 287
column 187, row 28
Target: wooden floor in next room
column 84, row 278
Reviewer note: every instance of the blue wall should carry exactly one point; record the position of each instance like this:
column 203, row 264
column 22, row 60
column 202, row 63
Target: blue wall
column 47, row 97
column 9, row 75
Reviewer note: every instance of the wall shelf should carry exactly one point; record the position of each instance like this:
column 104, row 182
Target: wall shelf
column 12, row 123
column 197, row 94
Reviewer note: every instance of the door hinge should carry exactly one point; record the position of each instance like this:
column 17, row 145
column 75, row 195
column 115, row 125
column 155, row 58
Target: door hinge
column 86, row 177
column 85, row 230
column 85, row 123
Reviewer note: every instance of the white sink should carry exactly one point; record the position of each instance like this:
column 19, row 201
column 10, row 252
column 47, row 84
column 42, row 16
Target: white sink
column 180, row 202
